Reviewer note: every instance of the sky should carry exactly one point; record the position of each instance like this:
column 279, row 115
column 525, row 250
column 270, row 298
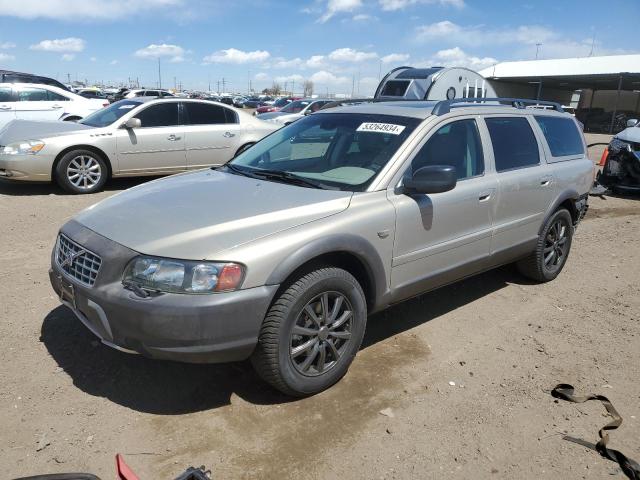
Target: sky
column 342, row 46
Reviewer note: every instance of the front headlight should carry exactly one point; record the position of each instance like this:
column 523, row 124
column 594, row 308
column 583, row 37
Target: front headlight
column 30, row 147
column 183, row 276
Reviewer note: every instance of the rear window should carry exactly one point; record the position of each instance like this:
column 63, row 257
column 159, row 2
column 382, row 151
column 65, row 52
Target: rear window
column 514, row 144
column 395, row 88
column 562, row 136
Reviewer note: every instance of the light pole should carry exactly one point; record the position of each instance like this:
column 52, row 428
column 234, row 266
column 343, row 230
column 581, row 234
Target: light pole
column 538, row 45
column 159, row 75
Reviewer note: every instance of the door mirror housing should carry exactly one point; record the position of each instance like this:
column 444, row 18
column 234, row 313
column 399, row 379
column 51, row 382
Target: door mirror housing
column 431, row 179
column 632, row 122
column 133, row 123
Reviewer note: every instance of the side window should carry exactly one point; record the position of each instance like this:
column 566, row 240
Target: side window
column 32, row 95
column 457, row 144
column 562, row 135
column 203, row 114
column 56, row 97
column 151, row 93
column 140, row 94
column 160, row 115
column 232, row 117
column 5, row 95
column 514, row 144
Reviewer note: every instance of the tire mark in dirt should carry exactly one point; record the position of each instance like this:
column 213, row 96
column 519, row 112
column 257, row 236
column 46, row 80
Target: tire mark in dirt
column 280, row 441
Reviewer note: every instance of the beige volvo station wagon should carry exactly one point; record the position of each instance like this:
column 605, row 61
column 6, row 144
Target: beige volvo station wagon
column 280, row 255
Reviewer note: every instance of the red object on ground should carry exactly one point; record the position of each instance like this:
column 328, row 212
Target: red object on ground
column 124, row 472
column 603, row 159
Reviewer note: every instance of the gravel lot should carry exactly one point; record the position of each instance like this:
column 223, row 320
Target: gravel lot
column 69, row 403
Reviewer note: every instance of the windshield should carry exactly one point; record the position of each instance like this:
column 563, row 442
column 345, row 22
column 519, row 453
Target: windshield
column 296, row 107
column 110, row 114
column 336, row 150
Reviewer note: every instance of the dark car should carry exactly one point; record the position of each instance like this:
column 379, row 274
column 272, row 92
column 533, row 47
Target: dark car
column 253, row 102
column 226, row 100
column 7, row 76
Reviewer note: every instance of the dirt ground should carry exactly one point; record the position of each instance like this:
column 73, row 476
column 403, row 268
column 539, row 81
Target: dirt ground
column 68, row 403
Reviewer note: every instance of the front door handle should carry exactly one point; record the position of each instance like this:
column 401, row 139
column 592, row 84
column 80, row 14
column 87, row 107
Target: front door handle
column 228, row 135
column 173, row 138
column 56, row 107
column 4, row 107
column 485, row 196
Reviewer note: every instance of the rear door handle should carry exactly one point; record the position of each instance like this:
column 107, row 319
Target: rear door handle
column 56, row 107
column 229, row 134
column 173, row 138
column 546, row 181
column 4, row 107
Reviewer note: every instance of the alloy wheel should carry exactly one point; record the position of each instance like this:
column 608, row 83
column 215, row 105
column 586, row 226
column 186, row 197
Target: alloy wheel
column 555, row 246
column 321, row 333
column 84, row 172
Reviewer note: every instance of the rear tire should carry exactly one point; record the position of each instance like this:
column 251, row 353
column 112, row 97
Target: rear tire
column 81, row 171
column 552, row 250
column 312, row 332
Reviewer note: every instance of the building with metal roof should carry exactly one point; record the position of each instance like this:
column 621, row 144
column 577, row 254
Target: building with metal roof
column 604, row 90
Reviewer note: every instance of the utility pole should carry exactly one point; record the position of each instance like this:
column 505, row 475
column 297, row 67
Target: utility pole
column 538, row 45
column 175, row 83
column 159, row 75
column 209, row 83
column 218, row 91
column 293, row 87
column 223, row 84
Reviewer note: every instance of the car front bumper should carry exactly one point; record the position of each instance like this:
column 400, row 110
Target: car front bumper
column 208, row 328
column 31, row 168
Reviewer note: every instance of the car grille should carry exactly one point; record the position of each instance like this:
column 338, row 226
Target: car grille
column 76, row 261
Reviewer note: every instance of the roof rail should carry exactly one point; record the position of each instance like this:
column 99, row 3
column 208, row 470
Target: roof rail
column 445, row 106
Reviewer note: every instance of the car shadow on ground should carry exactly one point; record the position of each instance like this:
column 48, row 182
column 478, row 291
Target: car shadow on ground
column 26, row 189
column 170, row 388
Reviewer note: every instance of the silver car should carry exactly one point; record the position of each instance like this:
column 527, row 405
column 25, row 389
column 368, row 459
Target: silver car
column 134, row 137
column 280, row 255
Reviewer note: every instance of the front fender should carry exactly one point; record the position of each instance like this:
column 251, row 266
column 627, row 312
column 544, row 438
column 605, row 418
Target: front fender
column 354, row 245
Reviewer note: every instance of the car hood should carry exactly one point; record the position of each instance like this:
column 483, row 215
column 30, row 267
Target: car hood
column 199, row 214
column 631, row 134
column 18, row 130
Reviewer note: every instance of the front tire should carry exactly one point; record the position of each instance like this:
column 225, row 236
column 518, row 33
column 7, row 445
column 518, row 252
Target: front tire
column 552, row 249
column 312, row 332
column 81, row 171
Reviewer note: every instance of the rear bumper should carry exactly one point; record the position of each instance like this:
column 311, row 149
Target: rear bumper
column 188, row 328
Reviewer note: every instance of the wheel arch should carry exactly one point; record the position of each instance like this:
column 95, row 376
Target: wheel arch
column 350, row 252
column 90, row 148
column 566, row 199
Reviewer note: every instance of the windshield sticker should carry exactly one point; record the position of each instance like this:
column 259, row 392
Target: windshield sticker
column 125, row 107
column 381, row 128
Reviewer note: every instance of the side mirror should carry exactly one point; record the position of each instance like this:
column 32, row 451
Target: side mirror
column 431, row 179
column 632, row 122
column 133, row 123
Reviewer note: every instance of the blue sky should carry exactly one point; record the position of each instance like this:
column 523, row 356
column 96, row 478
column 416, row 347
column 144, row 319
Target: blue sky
column 339, row 44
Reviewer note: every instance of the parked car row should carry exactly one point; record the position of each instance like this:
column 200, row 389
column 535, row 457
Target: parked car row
column 136, row 136
column 294, row 111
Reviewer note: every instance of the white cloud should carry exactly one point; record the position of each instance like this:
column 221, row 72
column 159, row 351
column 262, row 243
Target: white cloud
column 323, row 77
column 456, row 57
column 395, row 58
column 7, row 45
column 67, row 57
column 392, row 5
column 93, row 59
column 83, row 9
column 233, row 55
column 284, row 63
column 339, row 6
column 261, row 76
column 174, row 53
column 113, row 62
column 363, row 17
column 290, row 78
column 316, row 61
column 351, row 55
column 6, row 58
column 480, row 35
column 71, row 44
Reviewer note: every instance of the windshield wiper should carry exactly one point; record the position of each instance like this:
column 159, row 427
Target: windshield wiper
column 292, row 178
column 234, row 169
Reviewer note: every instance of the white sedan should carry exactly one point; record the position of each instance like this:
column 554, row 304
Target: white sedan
column 133, row 137
column 294, row 111
column 35, row 101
